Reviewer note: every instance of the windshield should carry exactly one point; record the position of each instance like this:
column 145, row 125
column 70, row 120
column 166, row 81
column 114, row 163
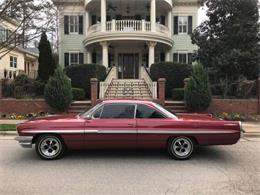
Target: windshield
column 163, row 110
column 88, row 113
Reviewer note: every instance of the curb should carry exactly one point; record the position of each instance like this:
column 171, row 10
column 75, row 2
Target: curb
column 5, row 133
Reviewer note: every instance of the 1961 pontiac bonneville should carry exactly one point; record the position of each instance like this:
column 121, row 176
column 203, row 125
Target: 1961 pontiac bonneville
column 127, row 124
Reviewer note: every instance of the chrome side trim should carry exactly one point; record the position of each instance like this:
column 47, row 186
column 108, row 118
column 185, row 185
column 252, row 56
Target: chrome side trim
column 94, row 131
column 25, row 141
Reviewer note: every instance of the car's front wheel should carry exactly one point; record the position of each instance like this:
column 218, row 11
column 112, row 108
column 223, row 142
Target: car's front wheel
column 49, row 147
column 180, row 148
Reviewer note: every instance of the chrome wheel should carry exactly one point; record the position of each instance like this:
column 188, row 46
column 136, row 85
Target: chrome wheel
column 49, row 147
column 181, row 148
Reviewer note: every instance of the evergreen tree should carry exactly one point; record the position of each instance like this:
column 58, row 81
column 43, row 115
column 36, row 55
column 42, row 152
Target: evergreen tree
column 58, row 91
column 197, row 92
column 229, row 40
column 46, row 62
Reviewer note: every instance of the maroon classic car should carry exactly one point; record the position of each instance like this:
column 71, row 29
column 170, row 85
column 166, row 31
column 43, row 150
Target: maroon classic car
column 127, row 124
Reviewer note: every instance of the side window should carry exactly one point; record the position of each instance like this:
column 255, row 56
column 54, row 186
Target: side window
column 97, row 113
column 144, row 111
column 120, row 111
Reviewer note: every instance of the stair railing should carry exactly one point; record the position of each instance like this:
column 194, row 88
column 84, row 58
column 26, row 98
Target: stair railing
column 103, row 86
column 151, row 84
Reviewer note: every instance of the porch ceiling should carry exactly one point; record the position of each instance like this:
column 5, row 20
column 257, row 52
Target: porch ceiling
column 128, row 6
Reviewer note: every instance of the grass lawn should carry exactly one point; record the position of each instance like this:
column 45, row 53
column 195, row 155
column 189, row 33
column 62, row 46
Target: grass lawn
column 7, row 127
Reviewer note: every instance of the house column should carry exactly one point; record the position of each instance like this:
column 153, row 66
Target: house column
column 153, row 15
column 104, row 53
column 168, row 56
column 170, row 22
column 151, row 46
column 103, row 15
column 89, row 57
column 87, row 22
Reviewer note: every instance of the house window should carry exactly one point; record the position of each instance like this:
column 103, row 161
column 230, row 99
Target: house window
column 183, row 58
column 183, row 24
column 2, row 34
column 13, row 61
column 74, row 24
column 74, row 58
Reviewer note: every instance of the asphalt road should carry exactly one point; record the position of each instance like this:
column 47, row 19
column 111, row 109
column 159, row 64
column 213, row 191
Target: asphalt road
column 212, row 170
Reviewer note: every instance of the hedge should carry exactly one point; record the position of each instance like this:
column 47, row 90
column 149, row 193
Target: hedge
column 178, row 94
column 78, row 94
column 173, row 73
column 80, row 75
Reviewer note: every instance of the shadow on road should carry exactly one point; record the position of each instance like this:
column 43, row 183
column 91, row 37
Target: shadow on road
column 212, row 153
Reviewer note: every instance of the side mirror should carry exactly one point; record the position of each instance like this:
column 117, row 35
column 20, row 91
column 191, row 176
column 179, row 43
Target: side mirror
column 88, row 117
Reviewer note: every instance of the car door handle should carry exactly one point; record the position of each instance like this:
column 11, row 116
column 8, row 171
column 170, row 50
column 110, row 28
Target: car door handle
column 131, row 125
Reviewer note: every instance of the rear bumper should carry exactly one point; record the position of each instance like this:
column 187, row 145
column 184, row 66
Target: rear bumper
column 25, row 141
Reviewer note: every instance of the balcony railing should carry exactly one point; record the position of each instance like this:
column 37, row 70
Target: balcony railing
column 129, row 26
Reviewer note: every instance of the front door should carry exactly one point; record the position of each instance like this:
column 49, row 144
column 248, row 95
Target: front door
column 112, row 126
column 128, row 66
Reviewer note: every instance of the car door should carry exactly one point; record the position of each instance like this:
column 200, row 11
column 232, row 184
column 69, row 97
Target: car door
column 113, row 125
column 152, row 127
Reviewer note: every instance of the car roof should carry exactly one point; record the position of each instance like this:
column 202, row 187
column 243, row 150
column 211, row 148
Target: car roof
column 133, row 101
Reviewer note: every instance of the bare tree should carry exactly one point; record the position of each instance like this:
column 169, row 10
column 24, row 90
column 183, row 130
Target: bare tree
column 31, row 18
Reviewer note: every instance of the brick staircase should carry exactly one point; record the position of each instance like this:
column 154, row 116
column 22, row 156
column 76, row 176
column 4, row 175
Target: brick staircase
column 79, row 106
column 176, row 106
column 128, row 88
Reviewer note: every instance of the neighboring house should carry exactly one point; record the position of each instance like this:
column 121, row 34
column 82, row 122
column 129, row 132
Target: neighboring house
column 17, row 60
column 126, row 34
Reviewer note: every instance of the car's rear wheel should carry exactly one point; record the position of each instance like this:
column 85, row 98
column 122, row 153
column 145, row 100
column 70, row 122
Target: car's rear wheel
column 180, row 148
column 50, row 147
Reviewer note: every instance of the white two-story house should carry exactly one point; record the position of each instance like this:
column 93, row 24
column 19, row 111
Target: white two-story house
column 126, row 34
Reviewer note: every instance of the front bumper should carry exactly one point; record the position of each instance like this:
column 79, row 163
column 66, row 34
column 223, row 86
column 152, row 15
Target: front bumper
column 25, row 141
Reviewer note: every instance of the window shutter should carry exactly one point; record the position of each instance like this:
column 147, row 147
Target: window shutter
column 176, row 19
column 66, row 25
column 81, row 58
column 81, row 25
column 66, row 59
column 175, row 57
column 189, row 25
column 94, row 19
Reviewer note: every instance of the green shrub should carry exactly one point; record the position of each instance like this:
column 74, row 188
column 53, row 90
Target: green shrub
column 21, row 80
column 58, row 91
column 80, row 75
column 197, row 92
column 178, row 94
column 78, row 94
column 38, row 88
column 173, row 73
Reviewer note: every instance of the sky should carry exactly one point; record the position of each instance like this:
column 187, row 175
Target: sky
column 202, row 14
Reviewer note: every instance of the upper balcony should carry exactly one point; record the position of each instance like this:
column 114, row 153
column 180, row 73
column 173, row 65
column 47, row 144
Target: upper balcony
column 129, row 30
column 147, row 20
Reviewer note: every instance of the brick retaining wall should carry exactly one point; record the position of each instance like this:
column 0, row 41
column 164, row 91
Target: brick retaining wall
column 23, row 106
column 249, row 106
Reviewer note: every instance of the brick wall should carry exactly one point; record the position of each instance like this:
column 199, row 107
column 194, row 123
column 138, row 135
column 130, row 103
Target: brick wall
column 249, row 106
column 23, row 106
